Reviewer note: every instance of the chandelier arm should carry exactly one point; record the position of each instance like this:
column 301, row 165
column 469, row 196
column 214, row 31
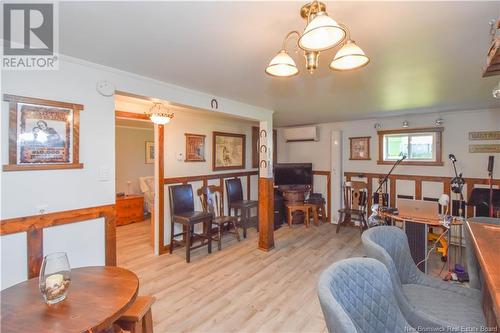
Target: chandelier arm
column 348, row 33
column 288, row 36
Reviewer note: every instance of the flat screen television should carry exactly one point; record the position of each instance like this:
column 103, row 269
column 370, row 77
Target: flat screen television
column 293, row 174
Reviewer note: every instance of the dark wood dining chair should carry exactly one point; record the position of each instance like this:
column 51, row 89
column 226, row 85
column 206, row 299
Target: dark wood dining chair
column 355, row 198
column 235, row 202
column 182, row 212
column 211, row 201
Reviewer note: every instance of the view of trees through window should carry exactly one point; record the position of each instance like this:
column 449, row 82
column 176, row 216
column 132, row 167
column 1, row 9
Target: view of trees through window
column 418, row 146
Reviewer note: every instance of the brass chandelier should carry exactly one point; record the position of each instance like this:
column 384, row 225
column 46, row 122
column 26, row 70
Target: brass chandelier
column 321, row 33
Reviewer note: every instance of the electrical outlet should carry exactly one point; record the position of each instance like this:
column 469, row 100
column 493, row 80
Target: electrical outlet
column 42, row 209
column 180, row 156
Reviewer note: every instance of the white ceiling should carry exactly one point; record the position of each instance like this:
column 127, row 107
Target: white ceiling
column 425, row 56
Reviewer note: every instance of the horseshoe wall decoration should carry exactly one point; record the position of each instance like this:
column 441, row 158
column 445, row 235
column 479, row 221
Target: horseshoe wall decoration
column 265, row 133
column 263, row 149
column 214, row 104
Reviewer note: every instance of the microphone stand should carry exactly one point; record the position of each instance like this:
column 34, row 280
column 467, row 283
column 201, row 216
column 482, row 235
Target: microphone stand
column 460, row 182
column 384, row 181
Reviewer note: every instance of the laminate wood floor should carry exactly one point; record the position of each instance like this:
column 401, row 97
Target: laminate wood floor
column 238, row 289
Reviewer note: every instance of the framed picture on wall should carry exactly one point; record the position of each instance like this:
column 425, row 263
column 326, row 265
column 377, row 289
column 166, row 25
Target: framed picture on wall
column 228, row 151
column 150, row 152
column 359, row 148
column 43, row 134
column 195, row 147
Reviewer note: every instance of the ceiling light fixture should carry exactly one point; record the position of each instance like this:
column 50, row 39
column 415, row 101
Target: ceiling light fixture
column 320, row 33
column 159, row 114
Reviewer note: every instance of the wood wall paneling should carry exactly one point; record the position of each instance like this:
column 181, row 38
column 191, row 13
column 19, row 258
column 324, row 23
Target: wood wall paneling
column 34, row 225
column 418, row 179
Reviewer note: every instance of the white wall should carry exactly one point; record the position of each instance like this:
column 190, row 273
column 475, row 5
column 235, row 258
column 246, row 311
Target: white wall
column 196, row 122
column 457, row 126
column 130, row 158
column 23, row 192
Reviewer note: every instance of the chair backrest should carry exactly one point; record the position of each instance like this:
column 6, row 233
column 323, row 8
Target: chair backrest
column 355, row 195
column 473, row 268
column 234, row 190
column 211, row 200
column 356, row 295
column 181, row 199
column 390, row 246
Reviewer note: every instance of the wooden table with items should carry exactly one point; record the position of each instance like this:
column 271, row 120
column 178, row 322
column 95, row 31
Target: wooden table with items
column 417, row 230
column 97, row 297
column 486, row 240
column 129, row 209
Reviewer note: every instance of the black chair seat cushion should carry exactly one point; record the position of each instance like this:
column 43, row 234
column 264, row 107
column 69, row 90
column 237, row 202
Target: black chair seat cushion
column 244, row 204
column 194, row 216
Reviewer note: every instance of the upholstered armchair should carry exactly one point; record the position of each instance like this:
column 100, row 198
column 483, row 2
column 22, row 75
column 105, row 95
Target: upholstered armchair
column 424, row 300
column 356, row 295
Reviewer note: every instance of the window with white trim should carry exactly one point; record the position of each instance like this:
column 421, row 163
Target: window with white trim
column 422, row 146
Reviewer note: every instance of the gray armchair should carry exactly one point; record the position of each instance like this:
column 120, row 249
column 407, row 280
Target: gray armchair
column 425, row 301
column 356, row 296
column 473, row 268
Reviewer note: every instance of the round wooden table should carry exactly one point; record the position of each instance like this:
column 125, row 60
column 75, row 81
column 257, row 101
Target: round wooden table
column 96, row 298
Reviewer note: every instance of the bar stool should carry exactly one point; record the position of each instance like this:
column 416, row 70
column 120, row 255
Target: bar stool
column 182, row 212
column 138, row 318
column 235, row 201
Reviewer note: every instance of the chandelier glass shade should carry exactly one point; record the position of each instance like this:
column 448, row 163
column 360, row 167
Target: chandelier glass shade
column 320, row 33
column 350, row 56
column 282, row 65
column 159, row 114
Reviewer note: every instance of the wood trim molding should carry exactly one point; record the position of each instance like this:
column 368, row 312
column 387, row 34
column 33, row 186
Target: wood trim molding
column 328, row 176
column 30, row 167
column 417, row 179
column 439, row 145
column 131, row 115
column 188, row 179
column 161, row 190
column 34, row 225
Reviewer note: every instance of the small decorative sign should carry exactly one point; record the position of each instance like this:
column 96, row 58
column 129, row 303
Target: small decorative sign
column 491, row 148
column 484, row 135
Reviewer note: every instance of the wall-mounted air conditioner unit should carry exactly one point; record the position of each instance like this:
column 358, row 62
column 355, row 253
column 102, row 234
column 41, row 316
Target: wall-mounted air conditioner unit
column 303, row 133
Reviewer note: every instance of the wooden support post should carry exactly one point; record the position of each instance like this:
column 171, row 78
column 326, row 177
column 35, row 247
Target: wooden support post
column 266, row 186
column 418, row 189
column 266, row 214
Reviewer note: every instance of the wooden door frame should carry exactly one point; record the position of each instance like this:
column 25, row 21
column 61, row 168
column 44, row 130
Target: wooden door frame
column 161, row 176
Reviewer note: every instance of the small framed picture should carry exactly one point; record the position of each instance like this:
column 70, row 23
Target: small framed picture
column 150, row 152
column 195, row 147
column 360, row 148
column 43, row 134
column 228, row 151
